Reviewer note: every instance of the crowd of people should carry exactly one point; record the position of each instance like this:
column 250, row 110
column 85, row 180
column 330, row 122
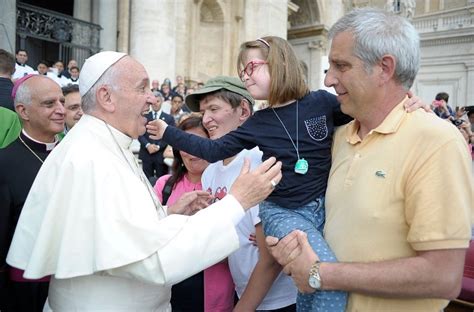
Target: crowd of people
column 56, row 71
column 317, row 202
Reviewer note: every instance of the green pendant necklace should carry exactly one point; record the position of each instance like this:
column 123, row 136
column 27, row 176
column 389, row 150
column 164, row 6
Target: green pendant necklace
column 301, row 165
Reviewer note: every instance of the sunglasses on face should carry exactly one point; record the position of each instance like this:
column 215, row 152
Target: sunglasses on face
column 249, row 68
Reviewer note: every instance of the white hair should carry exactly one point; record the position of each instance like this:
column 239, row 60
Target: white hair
column 378, row 33
column 109, row 78
column 23, row 95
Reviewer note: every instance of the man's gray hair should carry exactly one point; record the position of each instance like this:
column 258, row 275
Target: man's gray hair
column 23, row 95
column 109, row 77
column 378, row 33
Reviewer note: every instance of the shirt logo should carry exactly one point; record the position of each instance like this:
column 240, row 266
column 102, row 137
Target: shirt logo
column 380, row 174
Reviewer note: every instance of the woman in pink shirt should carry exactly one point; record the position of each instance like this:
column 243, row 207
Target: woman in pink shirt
column 212, row 289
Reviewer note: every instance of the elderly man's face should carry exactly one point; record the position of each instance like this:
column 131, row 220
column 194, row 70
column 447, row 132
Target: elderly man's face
column 133, row 97
column 44, row 117
column 356, row 88
column 73, row 108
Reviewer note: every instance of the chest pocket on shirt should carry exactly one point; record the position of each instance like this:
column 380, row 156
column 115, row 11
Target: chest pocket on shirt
column 317, row 128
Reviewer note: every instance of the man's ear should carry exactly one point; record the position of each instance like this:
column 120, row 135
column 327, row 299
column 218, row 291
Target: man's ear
column 246, row 111
column 387, row 65
column 104, row 99
column 22, row 111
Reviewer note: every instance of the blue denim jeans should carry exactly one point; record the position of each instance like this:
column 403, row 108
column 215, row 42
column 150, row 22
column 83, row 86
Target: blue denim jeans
column 279, row 221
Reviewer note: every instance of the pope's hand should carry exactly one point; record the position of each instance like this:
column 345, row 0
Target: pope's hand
column 156, row 128
column 251, row 187
column 190, row 203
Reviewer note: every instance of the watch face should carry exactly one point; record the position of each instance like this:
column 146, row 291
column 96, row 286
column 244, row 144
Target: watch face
column 314, row 282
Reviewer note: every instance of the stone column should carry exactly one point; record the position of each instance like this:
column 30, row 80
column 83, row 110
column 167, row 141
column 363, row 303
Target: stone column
column 265, row 17
column 8, row 25
column 317, row 50
column 153, row 36
column 470, row 83
column 123, row 26
column 83, row 10
column 108, row 20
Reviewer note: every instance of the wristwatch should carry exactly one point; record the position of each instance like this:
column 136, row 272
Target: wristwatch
column 314, row 279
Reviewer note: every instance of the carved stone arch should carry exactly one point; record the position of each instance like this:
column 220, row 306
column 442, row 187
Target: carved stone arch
column 208, row 37
column 309, row 13
column 211, row 12
column 307, row 34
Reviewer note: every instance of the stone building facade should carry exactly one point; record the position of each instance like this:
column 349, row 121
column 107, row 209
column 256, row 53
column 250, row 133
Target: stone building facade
column 199, row 39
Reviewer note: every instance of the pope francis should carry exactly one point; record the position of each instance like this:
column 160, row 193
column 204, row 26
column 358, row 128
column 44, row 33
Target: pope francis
column 92, row 221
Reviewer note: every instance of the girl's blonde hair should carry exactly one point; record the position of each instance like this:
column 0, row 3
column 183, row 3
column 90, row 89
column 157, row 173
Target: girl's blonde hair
column 286, row 74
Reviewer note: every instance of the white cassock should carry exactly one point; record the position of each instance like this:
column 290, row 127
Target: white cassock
column 91, row 222
column 21, row 71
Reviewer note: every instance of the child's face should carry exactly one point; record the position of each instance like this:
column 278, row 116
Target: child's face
column 256, row 75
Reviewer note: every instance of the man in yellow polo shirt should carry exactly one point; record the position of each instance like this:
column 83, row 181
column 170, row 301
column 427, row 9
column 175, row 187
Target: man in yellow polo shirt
column 400, row 192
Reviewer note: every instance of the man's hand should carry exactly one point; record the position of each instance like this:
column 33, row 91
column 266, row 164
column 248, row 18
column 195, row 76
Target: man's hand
column 190, row 203
column 296, row 256
column 414, row 102
column 152, row 148
column 156, row 128
column 251, row 187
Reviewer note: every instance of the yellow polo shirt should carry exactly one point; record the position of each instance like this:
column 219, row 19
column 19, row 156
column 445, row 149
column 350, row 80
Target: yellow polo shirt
column 406, row 187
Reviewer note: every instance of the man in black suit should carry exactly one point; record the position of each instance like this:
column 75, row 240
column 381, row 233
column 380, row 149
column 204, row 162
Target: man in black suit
column 151, row 151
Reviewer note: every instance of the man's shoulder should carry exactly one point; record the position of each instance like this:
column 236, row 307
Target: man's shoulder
column 167, row 117
column 429, row 127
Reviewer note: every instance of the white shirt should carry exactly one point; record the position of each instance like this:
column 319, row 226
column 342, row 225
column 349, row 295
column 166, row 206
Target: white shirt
column 217, row 179
column 21, row 70
column 90, row 220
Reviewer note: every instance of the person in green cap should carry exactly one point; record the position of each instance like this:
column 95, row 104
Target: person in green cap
column 225, row 105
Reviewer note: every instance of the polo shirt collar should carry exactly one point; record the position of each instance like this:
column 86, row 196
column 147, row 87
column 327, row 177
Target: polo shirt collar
column 390, row 124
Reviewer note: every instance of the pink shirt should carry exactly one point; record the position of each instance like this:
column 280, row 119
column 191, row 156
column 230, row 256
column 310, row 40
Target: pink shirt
column 218, row 283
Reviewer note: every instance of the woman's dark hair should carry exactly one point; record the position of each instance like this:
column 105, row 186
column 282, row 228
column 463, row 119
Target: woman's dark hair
column 178, row 168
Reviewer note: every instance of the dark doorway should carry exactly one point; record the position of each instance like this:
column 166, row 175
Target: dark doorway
column 41, row 50
column 61, row 6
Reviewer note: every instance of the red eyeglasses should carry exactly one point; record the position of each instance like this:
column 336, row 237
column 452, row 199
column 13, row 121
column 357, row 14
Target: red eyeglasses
column 249, row 68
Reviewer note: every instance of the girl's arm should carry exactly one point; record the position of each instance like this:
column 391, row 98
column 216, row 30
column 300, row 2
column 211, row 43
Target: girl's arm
column 211, row 150
column 264, row 274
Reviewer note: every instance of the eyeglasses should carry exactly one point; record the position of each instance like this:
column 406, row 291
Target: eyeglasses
column 249, row 68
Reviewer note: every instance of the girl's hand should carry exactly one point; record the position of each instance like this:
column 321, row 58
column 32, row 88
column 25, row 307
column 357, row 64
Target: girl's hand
column 156, row 128
column 414, row 102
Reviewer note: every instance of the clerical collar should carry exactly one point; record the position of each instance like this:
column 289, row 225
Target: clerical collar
column 122, row 139
column 20, row 64
column 47, row 146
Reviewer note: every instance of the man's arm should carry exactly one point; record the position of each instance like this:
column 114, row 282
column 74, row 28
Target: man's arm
column 431, row 274
column 211, row 231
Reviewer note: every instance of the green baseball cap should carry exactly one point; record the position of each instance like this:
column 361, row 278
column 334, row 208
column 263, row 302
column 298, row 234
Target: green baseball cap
column 231, row 84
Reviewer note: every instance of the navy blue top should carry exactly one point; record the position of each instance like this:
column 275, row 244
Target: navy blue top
column 318, row 112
